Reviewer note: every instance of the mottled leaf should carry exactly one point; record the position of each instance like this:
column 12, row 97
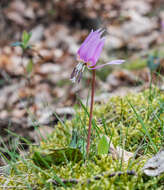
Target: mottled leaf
column 57, row 156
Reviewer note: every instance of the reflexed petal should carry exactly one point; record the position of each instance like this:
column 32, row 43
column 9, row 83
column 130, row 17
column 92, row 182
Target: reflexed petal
column 92, row 61
column 89, row 46
column 85, row 41
column 91, row 50
column 92, row 37
column 100, row 32
column 114, row 62
column 98, row 50
column 88, row 37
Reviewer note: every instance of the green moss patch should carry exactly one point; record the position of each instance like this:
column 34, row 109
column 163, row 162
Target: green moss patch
column 135, row 123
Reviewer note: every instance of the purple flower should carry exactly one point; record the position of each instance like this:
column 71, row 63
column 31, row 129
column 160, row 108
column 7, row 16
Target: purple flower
column 89, row 53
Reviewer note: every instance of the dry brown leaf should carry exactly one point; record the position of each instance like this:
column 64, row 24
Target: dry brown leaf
column 120, row 154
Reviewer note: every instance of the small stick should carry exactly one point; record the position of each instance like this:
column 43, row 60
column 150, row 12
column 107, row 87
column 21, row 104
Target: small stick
column 91, row 111
column 98, row 177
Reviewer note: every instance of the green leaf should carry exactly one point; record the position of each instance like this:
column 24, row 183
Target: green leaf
column 103, row 146
column 57, row 156
column 153, row 63
column 25, row 39
column 16, row 44
column 29, row 66
column 74, row 139
column 78, row 142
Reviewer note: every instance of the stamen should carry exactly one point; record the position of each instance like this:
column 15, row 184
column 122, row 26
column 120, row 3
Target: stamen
column 77, row 72
column 73, row 80
column 73, row 73
column 80, row 76
column 79, row 66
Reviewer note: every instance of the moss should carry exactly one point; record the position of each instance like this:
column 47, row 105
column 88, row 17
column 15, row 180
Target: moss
column 118, row 120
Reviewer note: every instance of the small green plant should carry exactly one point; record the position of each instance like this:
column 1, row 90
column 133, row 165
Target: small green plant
column 25, row 46
column 24, row 43
column 153, row 61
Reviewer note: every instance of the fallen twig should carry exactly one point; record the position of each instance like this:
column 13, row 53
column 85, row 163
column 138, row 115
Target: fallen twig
column 98, row 177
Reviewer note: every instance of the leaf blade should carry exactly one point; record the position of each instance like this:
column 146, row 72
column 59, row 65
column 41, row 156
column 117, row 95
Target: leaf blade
column 103, row 146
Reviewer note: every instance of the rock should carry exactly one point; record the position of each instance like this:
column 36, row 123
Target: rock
column 155, row 165
column 49, row 68
column 137, row 27
column 113, row 42
column 143, row 42
column 140, row 6
column 37, row 33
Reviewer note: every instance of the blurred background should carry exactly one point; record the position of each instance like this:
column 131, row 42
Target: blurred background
column 134, row 32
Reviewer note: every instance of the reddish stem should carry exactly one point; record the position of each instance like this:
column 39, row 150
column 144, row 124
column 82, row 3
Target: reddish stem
column 24, row 69
column 91, row 111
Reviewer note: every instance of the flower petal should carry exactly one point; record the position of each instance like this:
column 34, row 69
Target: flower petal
column 98, row 49
column 93, row 60
column 92, row 49
column 86, row 52
column 91, row 37
column 85, row 41
column 114, row 62
column 89, row 46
